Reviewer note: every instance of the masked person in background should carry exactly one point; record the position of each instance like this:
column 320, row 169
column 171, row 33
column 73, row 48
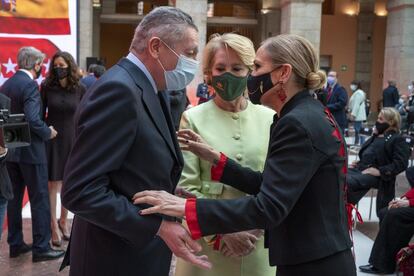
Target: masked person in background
column 357, row 110
column 61, row 94
column 381, row 158
column 230, row 123
column 336, row 100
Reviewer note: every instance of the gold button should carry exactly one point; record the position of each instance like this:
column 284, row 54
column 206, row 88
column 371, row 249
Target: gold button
column 235, row 116
column 239, row 157
column 207, row 187
column 236, row 137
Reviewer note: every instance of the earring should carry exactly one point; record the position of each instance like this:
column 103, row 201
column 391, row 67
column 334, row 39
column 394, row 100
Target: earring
column 282, row 92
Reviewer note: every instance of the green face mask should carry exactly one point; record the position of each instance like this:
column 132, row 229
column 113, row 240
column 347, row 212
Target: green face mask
column 228, row 86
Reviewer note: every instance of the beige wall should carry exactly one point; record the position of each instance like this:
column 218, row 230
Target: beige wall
column 115, row 41
column 339, row 40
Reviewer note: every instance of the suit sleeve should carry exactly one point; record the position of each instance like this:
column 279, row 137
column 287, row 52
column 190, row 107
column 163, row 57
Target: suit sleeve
column 281, row 187
column 107, row 126
column 191, row 175
column 32, row 103
column 341, row 102
column 43, row 93
column 400, row 156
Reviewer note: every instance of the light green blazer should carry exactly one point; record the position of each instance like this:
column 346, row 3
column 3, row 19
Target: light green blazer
column 244, row 137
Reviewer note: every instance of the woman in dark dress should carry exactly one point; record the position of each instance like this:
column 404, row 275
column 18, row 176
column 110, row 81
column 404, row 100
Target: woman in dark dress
column 61, row 94
column 299, row 198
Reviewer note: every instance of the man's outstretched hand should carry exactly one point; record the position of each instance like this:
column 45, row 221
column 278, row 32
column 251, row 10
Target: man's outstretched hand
column 181, row 244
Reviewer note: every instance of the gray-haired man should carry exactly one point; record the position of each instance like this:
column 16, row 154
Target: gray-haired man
column 125, row 142
column 27, row 166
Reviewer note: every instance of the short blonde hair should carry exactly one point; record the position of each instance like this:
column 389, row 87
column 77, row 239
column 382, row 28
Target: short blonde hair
column 301, row 55
column 391, row 116
column 240, row 44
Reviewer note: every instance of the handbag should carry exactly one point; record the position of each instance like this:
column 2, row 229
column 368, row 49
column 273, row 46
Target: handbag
column 405, row 260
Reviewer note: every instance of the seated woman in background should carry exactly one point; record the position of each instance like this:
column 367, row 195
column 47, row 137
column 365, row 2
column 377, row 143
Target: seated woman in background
column 232, row 124
column 382, row 157
column 395, row 232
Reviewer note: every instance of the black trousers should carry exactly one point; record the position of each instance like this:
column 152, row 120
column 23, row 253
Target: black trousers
column 359, row 184
column 34, row 177
column 339, row 264
column 396, row 230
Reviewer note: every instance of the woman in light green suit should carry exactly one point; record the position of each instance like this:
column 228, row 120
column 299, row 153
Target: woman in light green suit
column 231, row 124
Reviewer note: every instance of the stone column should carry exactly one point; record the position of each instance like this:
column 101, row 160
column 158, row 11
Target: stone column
column 303, row 17
column 197, row 9
column 399, row 43
column 363, row 65
column 85, row 31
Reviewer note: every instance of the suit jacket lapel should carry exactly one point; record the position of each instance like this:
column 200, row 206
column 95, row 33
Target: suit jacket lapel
column 150, row 100
column 171, row 128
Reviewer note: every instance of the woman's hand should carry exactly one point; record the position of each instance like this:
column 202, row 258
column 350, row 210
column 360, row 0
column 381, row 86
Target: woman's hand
column 371, row 171
column 353, row 164
column 163, row 203
column 191, row 141
column 238, row 244
column 2, row 151
column 399, row 203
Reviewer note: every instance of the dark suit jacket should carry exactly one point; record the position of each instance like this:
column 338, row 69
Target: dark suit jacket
column 88, row 81
column 391, row 160
column 299, row 198
column 5, row 185
column 337, row 103
column 178, row 102
column 123, row 144
column 390, row 96
column 25, row 98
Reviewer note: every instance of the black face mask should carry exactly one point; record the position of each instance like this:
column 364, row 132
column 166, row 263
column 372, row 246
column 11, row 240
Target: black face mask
column 258, row 85
column 381, row 127
column 61, row 73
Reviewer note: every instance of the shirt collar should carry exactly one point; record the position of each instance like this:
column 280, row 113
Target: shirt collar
column 27, row 73
column 134, row 59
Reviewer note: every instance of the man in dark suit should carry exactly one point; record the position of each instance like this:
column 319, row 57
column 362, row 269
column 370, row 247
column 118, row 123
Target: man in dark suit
column 6, row 192
column 390, row 95
column 125, row 142
column 336, row 100
column 27, row 166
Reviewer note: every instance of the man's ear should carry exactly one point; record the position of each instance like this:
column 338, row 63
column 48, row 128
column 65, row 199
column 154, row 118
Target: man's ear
column 153, row 47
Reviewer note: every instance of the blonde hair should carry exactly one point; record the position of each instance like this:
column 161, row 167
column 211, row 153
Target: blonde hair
column 240, row 44
column 391, row 116
column 301, row 55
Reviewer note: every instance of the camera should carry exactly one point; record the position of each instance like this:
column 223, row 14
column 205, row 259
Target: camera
column 14, row 130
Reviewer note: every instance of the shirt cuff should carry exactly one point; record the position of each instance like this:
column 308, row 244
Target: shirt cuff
column 218, row 169
column 191, row 217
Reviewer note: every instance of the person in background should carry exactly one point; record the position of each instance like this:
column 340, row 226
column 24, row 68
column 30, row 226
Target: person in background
column 336, row 100
column 98, row 71
column 27, row 166
column 90, row 79
column 61, row 94
column 357, row 109
column 381, row 158
column 205, row 92
column 231, row 123
column 178, row 103
column 390, row 95
column 403, row 108
column 396, row 231
column 6, row 191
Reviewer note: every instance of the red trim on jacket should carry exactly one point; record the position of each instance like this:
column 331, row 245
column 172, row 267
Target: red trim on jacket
column 192, row 219
column 217, row 170
column 410, row 196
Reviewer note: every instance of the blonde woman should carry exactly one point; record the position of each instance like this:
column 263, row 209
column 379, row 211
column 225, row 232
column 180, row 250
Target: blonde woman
column 231, row 123
column 299, row 197
column 357, row 108
column 381, row 158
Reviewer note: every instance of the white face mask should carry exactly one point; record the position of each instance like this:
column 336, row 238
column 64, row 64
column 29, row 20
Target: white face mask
column 410, row 87
column 400, row 101
column 353, row 87
column 183, row 73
